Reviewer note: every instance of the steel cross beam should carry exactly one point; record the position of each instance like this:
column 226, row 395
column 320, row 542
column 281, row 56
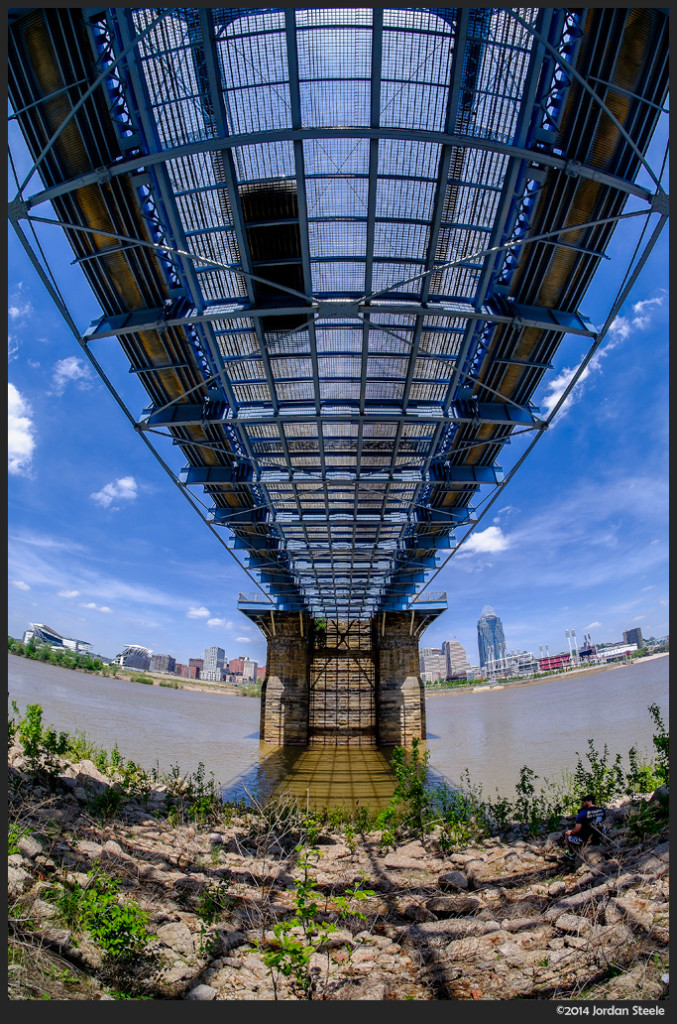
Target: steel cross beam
column 535, row 156
column 516, row 315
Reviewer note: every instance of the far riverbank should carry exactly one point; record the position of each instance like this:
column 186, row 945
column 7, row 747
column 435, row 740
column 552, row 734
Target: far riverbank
column 588, row 670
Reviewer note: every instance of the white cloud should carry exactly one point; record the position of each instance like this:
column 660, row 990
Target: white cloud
column 124, row 488
column 198, row 613
column 20, row 585
column 620, row 330
column 71, row 371
column 486, row 541
column 20, row 437
column 12, row 347
column 638, row 618
column 95, row 607
column 592, row 625
column 651, row 587
column 219, row 623
column 16, row 311
column 69, row 593
column 643, row 311
column 243, row 639
column 558, row 386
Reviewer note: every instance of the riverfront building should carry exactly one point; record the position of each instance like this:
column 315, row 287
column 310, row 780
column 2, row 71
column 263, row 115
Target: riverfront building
column 43, row 634
column 490, row 637
column 457, row 664
column 249, row 669
column 433, row 664
column 163, row 663
column 213, row 664
column 134, row 656
column 633, row 636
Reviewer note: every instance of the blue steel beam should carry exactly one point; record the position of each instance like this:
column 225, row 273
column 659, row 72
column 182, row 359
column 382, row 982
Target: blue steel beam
column 494, row 413
column 125, row 167
column 509, row 313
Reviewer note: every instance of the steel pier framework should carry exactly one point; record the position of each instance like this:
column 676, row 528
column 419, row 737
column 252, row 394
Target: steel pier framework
column 340, row 248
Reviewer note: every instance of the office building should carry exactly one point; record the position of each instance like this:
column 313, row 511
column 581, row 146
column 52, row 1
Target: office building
column 633, row 636
column 490, row 638
column 249, row 668
column 213, row 665
column 198, row 665
column 457, row 664
column 163, row 663
column 433, row 664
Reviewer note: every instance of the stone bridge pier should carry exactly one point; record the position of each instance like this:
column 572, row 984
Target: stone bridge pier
column 337, row 683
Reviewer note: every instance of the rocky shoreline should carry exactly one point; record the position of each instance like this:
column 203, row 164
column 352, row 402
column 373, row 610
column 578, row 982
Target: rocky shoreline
column 502, row 919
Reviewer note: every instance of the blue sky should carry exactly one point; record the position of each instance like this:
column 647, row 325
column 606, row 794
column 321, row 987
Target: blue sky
column 103, row 547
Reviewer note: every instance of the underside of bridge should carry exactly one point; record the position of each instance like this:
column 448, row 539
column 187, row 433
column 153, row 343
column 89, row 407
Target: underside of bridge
column 339, row 249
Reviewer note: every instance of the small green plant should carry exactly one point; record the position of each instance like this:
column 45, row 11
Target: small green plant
column 661, row 742
column 15, row 834
column 354, row 894
column 214, row 901
column 606, row 780
column 386, row 824
column 411, row 793
column 106, row 804
column 118, row 927
column 642, row 776
column 351, row 838
column 650, row 818
column 295, row 941
column 42, row 746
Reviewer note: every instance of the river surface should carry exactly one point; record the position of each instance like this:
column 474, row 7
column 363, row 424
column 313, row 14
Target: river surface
column 492, row 734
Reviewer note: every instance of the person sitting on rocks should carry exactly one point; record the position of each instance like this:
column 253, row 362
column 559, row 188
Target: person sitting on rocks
column 588, row 825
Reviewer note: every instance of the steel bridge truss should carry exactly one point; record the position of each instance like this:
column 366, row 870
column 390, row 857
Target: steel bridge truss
column 340, row 249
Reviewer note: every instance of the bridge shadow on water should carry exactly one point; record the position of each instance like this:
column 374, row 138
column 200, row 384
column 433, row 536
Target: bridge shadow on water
column 317, row 777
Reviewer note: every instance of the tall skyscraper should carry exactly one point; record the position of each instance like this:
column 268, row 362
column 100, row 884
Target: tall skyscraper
column 214, row 661
column 490, row 637
column 633, row 636
column 457, row 663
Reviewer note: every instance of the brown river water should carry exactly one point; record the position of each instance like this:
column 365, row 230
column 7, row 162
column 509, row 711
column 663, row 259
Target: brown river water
column 492, row 734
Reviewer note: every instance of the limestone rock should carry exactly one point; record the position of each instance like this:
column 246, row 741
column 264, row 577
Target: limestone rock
column 177, row 936
column 453, row 880
column 203, row 993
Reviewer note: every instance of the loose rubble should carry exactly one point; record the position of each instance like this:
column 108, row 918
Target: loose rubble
column 499, row 920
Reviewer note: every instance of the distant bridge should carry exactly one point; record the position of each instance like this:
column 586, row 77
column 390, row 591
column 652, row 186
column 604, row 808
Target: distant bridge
column 340, row 249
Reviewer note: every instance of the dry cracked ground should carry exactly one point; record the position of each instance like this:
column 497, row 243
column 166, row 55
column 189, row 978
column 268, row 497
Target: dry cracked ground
column 501, row 920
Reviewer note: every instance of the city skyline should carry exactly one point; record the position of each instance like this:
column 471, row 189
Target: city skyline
column 102, row 546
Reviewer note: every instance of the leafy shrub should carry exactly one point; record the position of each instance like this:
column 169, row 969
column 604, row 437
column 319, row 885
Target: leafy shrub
column 40, row 745
column 606, row 780
column 661, row 742
column 411, row 794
